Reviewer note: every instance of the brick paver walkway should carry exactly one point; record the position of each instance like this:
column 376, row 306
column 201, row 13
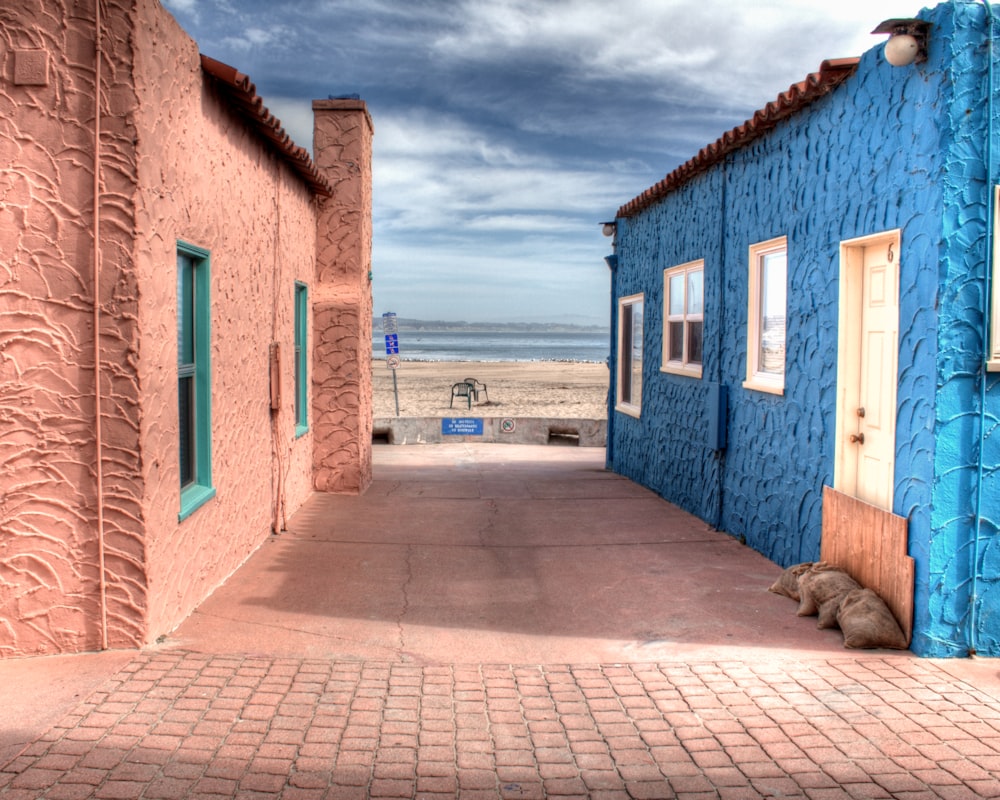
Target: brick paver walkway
column 185, row 725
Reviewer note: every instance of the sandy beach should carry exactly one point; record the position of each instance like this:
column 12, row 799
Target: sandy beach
column 566, row 390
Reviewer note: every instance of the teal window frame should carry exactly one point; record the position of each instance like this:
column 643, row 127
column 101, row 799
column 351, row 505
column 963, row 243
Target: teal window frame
column 194, row 377
column 301, row 359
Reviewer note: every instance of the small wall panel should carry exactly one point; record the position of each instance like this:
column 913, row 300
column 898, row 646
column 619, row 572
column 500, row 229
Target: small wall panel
column 870, row 544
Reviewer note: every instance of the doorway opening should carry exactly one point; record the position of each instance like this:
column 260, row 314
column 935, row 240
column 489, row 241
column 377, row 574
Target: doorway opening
column 867, row 365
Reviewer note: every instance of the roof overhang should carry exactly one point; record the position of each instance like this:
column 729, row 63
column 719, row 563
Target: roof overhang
column 242, row 95
column 831, row 74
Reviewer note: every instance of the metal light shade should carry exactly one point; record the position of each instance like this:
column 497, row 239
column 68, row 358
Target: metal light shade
column 907, row 40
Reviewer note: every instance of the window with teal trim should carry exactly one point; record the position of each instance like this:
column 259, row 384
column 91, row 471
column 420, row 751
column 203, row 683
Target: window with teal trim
column 301, row 359
column 194, row 377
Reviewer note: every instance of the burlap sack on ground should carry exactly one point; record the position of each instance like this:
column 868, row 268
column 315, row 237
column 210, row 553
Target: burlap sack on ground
column 828, row 612
column 823, row 585
column 867, row 621
column 787, row 584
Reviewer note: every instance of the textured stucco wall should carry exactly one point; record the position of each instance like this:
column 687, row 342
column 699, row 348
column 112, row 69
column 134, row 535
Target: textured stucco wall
column 342, row 303
column 963, row 592
column 891, row 148
column 205, row 178
column 49, row 578
column 177, row 163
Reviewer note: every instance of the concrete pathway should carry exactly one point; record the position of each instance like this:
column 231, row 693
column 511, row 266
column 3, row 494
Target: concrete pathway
column 499, row 621
column 489, row 554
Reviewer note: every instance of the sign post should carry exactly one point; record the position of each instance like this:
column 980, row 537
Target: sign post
column 391, row 330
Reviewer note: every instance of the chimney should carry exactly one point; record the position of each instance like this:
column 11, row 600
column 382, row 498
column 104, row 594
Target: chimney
column 342, row 300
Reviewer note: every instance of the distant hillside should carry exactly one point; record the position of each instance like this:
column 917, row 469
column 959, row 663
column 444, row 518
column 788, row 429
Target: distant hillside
column 406, row 324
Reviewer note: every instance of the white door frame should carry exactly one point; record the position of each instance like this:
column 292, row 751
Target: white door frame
column 845, row 470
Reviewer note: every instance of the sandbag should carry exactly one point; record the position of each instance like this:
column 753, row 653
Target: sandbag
column 828, row 612
column 867, row 622
column 787, row 584
column 821, row 585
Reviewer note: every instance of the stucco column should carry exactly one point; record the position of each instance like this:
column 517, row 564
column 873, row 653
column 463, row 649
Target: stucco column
column 342, row 301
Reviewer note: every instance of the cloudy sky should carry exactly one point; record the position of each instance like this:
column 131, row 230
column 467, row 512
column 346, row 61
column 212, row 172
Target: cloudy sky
column 506, row 130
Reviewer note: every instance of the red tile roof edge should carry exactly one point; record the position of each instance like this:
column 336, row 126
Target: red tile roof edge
column 832, row 73
column 242, row 93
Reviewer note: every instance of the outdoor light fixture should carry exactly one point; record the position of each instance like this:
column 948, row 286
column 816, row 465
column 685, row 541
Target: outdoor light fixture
column 907, row 41
column 609, row 228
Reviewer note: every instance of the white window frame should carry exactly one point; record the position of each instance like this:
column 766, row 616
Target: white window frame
column 633, row 406
column 682, row 366
column 993, row 357
column 758, row 378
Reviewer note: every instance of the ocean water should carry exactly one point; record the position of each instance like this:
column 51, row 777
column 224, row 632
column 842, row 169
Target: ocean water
column 496, row 346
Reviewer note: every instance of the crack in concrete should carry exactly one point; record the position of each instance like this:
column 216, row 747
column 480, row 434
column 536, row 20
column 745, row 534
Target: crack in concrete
column 405, row 591
column 486, row 531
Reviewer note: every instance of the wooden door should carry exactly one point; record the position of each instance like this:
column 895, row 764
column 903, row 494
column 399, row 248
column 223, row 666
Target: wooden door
column 867, row 374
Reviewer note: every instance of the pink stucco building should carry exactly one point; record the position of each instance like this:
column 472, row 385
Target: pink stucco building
column 184, row 340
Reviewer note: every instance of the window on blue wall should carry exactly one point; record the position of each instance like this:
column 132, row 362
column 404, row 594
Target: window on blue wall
column 683, row 311
column 629, row 400
column 194, row 377
column 301, row 356
column 766, row 312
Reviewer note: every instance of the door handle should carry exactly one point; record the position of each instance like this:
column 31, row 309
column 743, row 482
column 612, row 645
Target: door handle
column 857, row 438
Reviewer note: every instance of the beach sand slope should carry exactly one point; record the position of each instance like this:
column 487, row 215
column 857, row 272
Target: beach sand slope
column 566, row 390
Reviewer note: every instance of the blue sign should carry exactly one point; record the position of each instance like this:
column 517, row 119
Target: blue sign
column 391, row 343
column 462, row 426
column 389, row 324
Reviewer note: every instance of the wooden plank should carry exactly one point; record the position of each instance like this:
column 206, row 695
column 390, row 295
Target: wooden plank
column 870, row 544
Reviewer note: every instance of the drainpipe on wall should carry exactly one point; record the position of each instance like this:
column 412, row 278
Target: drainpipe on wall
column 277, row 443
column 612, row 262
column 721, row 455
column 988, row 267
column 98, row 441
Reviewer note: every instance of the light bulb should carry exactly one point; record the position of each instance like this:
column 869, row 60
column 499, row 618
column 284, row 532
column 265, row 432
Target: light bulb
column 901, row 50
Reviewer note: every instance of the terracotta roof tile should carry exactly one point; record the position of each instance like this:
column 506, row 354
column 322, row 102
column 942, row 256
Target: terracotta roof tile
column 242, row 93
column 831, row 74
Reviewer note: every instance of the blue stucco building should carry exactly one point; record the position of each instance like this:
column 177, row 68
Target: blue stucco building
column 807, row 302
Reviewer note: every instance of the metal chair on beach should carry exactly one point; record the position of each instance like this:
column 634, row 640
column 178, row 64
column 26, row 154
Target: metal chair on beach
column 463, row 389
column 477, row 388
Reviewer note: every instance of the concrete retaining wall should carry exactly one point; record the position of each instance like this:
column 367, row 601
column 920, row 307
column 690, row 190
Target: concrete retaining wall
column 509, row 430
